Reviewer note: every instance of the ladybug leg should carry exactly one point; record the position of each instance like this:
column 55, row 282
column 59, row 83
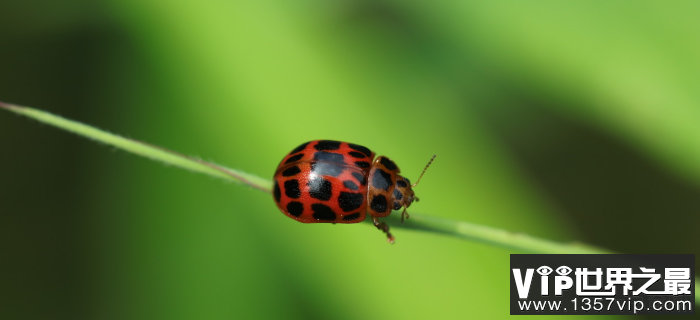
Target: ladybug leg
column 384, row 227
column 404, row 213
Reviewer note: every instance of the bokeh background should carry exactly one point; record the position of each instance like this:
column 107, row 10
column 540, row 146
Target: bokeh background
column 567, row 120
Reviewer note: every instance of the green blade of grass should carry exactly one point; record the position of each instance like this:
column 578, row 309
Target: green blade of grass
column 458, row 229
column 141, row 148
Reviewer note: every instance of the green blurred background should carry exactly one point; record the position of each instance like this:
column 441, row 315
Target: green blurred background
column 567, row 120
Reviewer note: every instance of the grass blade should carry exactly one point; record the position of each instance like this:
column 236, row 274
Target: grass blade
column 458, row 229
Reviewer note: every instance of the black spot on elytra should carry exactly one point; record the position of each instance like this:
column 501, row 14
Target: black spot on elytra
column 322, row 212
column 378, row 203
column 356, row 154
column 397, row 205
column 327, row 145
column 381, row 179
column 277, row 192
column 299, row 148
column 401, row 183
column 388, row 163
column 320, row 188
column 323, row 156
column 294, row 158
column 351, row 217
column 295, row 208
column 362, row 149
column 351, row 185
column 326, row 169
column 291, row 189
column 362, row 164
column 360, row 178
column 291, row 171
column 350, row 201
column 397, row 194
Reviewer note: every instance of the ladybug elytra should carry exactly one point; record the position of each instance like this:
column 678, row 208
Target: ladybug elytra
column 325, row 181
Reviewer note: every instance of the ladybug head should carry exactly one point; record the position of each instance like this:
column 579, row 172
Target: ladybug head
column 403, row 192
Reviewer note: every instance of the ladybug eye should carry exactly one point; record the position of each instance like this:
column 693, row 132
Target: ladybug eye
column 563, row 270
column 544, row 270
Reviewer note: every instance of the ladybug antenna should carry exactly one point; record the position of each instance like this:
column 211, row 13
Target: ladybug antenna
column 422, row 173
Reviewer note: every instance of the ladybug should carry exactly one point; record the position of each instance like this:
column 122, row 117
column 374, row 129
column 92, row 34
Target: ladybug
column 326, row 181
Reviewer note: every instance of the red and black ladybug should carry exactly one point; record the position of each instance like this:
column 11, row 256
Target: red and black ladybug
column 325, row 181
